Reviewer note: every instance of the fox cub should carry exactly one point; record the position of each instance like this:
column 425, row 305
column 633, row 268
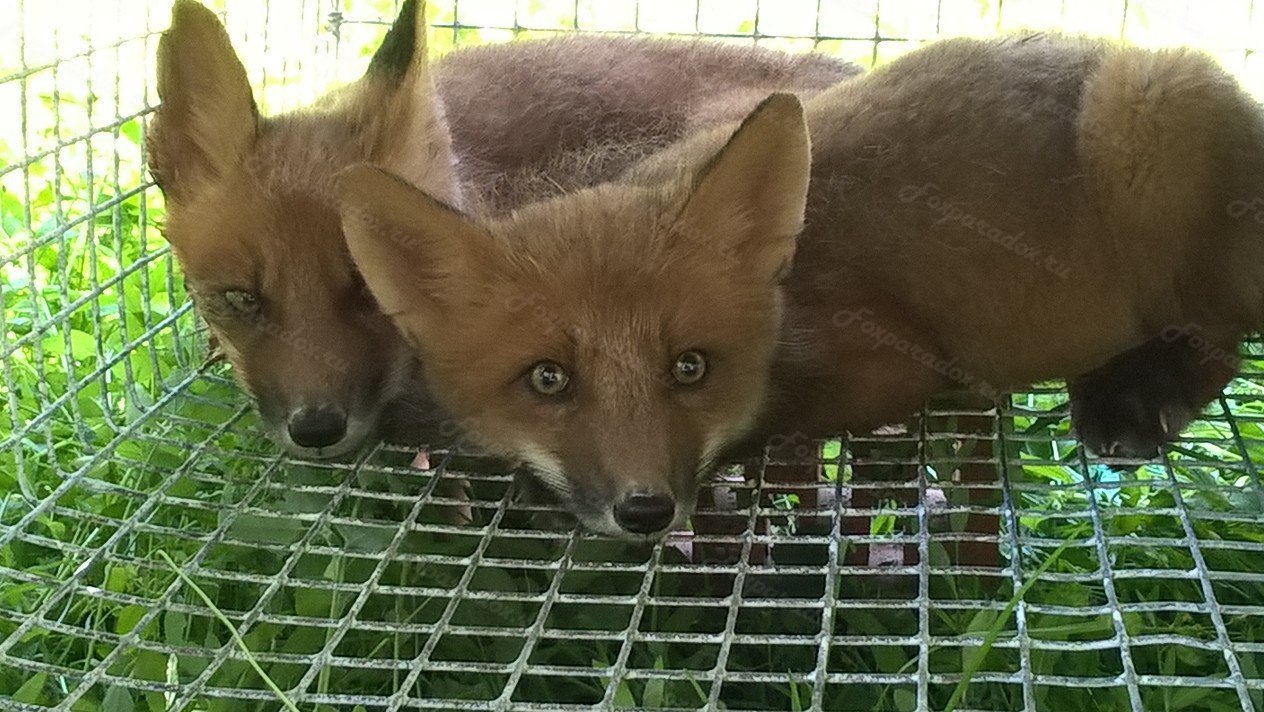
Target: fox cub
column 979, row 213
column 250, row 204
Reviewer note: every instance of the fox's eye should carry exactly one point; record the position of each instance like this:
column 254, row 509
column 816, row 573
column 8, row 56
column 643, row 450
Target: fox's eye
column 690, row 368
column 548, row 378
column 243, row 303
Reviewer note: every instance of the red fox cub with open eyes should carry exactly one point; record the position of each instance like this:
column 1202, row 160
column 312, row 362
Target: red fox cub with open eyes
column 987, row 213
column 250, row 206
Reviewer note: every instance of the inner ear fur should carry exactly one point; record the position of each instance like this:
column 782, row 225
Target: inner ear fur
column 207, row 120
column 416, row 253
column 749, row 200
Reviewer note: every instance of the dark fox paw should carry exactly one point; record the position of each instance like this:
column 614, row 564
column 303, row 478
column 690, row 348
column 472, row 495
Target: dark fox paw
column 1129, row 420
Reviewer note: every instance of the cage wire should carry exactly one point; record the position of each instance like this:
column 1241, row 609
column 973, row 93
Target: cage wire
column 157, row 553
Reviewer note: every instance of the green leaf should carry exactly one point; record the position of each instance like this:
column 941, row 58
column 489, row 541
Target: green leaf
column 127, row 618
column 313, row 602
column 260, row 529
column 53, row 345
column 32, row 691
column 655, row 688
column 623, row 697
column 796, row 703
column 82, row 345
column 173, row 627
column 12, row 215
column 120, row 578
column 118, row 699
column 131, row 130
column 364, row 538
column 905, row 700
column 56, row 529
column 889, row 659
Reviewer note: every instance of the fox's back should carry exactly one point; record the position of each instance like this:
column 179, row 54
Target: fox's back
column 600, row 104
column 1080, row 186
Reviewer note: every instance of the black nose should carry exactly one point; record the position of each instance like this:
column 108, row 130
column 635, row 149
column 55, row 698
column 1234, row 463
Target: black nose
column 318, row 427
column 645, row 513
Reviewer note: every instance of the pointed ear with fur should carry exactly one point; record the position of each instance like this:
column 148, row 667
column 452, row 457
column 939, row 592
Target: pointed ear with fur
column 749, row 200
column 417, row 255
column 401, row 110
column 207, row 121
column 403, row 45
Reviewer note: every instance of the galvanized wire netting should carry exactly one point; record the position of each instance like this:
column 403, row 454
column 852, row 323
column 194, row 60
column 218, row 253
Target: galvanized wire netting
column 157, row 553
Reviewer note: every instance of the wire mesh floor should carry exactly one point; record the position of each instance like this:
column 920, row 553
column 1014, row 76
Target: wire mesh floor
column 157, row 553
column 872, row 586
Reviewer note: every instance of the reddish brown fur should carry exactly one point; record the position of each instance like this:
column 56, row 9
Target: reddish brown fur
column 569, row 295
column 1119, row 164
column 250, row 207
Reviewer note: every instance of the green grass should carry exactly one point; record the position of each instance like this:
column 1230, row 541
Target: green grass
column 97, row 357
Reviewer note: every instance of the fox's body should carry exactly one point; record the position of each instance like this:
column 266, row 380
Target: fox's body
column 986, row 215
column 933, row 181
column 251, row 213
column 1065, row 204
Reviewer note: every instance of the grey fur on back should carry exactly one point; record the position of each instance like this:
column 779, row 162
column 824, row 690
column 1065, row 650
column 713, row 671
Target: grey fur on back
column 625, row 105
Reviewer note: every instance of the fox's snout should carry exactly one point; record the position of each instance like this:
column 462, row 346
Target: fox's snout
column 321, row 431
column 645, row 513
column 315, row 411
column 317, row 427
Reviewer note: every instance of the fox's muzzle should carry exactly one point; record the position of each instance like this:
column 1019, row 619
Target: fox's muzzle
column 644, row 513
column 317, row 427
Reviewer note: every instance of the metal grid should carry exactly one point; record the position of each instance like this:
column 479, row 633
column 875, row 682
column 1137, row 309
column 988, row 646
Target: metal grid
column 149, row 536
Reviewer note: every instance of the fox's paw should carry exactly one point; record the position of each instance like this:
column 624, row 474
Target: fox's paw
column 1133, row 418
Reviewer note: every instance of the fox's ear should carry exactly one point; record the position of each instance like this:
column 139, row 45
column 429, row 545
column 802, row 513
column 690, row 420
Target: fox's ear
column 403, row 45
column 400, row 109
column 417, row 255
column 207, row 120
column 749, row 200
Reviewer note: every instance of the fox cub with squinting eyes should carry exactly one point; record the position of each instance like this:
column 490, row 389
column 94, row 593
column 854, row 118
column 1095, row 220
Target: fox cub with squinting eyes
column 981, row 213
column 250, row 204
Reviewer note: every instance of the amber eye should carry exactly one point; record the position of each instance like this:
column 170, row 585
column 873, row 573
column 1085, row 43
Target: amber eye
column 690, row 368
column 242, row 303
column 548, row 378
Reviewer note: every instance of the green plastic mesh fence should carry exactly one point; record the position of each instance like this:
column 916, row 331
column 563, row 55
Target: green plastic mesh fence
column 158, row 553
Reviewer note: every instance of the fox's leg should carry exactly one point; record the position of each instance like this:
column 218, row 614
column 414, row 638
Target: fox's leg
column 1144, row 397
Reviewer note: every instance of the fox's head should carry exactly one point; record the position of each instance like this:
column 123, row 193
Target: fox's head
column 616, row 339
column 251, row 218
